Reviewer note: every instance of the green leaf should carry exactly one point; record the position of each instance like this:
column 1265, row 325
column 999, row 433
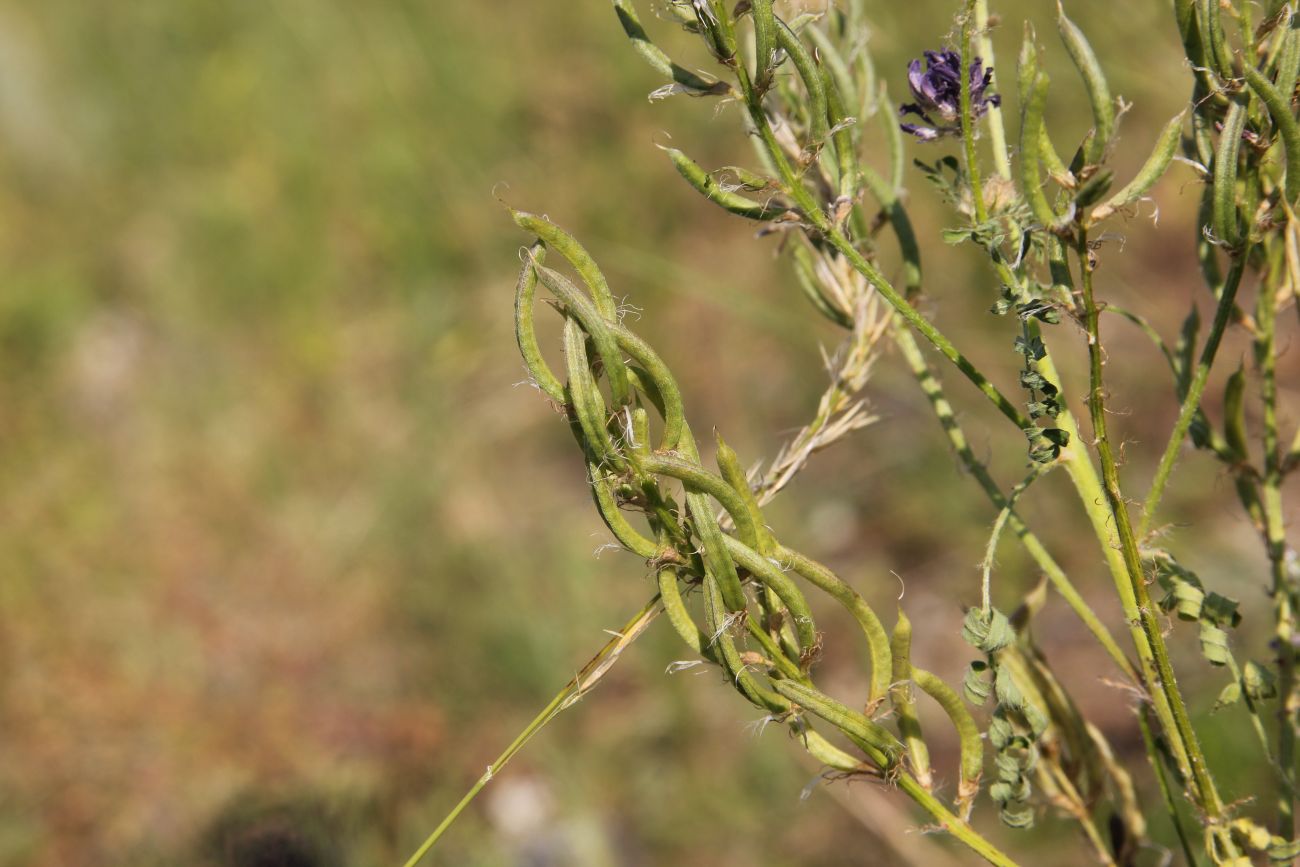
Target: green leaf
column 1228, row 696
column 1258, row 682
column 987, row 632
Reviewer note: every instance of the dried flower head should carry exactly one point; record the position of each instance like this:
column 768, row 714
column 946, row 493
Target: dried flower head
column 938, row 94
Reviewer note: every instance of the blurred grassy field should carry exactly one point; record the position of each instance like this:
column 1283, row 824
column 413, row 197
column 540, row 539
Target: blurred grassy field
column 287, row 555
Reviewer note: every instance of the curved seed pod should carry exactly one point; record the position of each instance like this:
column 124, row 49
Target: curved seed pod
column 812, row 82
column 1227, row 225
column 899, row 222
column 874, row 739
column 845, row 155
column 568, row 247
column 718, row 28
column 704, row 183
column 751, row 181
column 1206, row 255
column 764, row 42
column 698, row 479
column 719, row 626
column 1234, row 416
column 602, row 338
column 1094, row 80
column 767, row 572
column 1212, row 34
column 670, row 594
column 1031, row 125
column 734, row 475
column 775, row 655
column 640, row 444
column 1279, row 108
column 877, row 638
column 585, row 398
column 716, row 558
column 826, row 752
column 658, row 374
column 1152, row 170
column 718, row 562
column 1189, row 31
column 655, row 56
column 526, row 332
column 607, row 504
column 1026, row 64
column 972, row 746
column 1056, row 168
column 829, row 54
column 900, row 694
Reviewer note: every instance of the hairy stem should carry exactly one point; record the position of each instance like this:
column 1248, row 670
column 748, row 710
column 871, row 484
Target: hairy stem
column 1165, row 682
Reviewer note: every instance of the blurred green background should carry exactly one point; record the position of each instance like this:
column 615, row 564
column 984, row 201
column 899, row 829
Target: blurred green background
column 288, row 556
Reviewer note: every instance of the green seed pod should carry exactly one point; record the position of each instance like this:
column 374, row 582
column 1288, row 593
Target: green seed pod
column 585, row 398
column 705, row 184
column 1031, row 137
column 764, row 42
column 900, row 694
column 828, row 52
column 786, row 590
column 576, row 254
column 812, row 82
column 1211, row 18
column 873, row 739
column 717, row 617
column 972, row 745
column 827, row 753
column 602, row 488
column 1094, row 188
column 877, row 638
column 734, row 475
column 580, row 308
column 661, row 62
column 846, row 158
column 1189, row 31
column 640, row 444
column 1227, row 224
column 1094, row 80
column 699, row 480
column 1026, row 63
column 1152, row 170
column 526, row 332
column 665, row 391
column 680, row 617
column 1279, row 109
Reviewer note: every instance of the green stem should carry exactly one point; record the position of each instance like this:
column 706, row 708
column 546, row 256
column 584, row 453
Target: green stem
column 967, row 120
column 1196, row 388
column 930, row 385
column 952, row 824
column 1165, row 681
column 1166, row 791
column 1275, row 542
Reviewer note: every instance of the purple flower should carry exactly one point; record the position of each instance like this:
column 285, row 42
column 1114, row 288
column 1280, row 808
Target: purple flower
column 938, row 94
